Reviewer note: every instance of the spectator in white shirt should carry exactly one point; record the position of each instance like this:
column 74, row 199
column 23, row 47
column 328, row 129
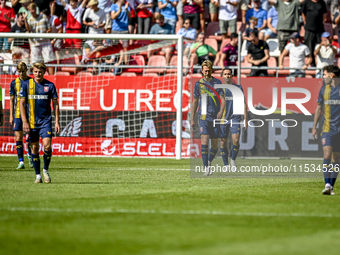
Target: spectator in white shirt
column 94, row 18
column 324, row 53
column 227, row 16
column 297, row 54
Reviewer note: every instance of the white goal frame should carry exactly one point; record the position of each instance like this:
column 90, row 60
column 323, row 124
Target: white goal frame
column 177, row 38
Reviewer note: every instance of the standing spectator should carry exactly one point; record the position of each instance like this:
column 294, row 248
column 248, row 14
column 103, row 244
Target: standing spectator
column 213, row 10
column 297, row 54
column 227, row 16
column 179, row 12
column 74, row 22
column 43, row 4
column 191, row 10
column 16, row 5
column 24, row 9
column 288, row 19
column 336, row 21
column 258, row 54
column 313, row 14
column 168, row 10
column 259, row 13
column 325, row 53
column 144, row 16
column 201, row 50
column 250, row 29
column 273, row 18
column 41, row 49
column 97, row 17
column 133, row 20
column 188, row 33
column 7, row 16
column 229, row 53
column 333, row 6
column 20, row 46
column 161, row 28
column 244, row 8
column 105, row 5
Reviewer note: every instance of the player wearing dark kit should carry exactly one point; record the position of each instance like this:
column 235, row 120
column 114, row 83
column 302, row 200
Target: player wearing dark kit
column 38, row 93
column 15, row 117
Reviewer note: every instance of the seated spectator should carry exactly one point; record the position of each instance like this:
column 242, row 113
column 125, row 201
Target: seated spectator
column 24, row 7
column 325, row 53
column 250, row 29
column 91, row 53
column 200, row 50
column 94, row 18
column 144, row 16
column 332, row 6
column 227, row 16
column 16, row 5
column 297, row 54
column 258, row 54
column 229, row 53
column 105, row 5
column 273, row 18
column 259, row 13
column 191, row 10
column 162, row 28
column 74, row 22
column 112, row 61
column 168, row 10
column 20, row 46
column 7, row 16
column 41, row 49
column 188, row 33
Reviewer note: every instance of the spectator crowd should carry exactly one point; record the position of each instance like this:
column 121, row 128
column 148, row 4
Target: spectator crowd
column 304, row 30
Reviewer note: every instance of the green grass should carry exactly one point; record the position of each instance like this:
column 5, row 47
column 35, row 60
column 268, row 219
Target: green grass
column 152, row 206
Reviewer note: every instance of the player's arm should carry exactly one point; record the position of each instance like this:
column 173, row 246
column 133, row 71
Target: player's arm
column 25, row 126
column 222, row 107
column 193, row 112
column 56, row 115
column 245, row 115
column 317, row 116
column 11, row 109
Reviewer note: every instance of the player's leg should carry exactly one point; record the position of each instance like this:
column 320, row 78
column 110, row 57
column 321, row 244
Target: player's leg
column 327, row 152
column 235, row 135
column 35, row 154
column 213, row 135
column 224, row 131
column 20, row 149
column 46, row 135
column 29, row 152
column 335, row 161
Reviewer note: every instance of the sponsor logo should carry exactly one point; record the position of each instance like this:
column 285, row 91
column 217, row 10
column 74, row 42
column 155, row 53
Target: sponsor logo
column 37, row 96
column 323, row 141
column 73, row 128
column 105, row 148
column 332, row 101
column 49, row 132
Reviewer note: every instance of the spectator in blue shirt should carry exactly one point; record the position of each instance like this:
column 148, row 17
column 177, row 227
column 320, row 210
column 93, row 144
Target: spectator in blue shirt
column 168, row 10
column 271, row 32
column 189, row 34
column 259, row 13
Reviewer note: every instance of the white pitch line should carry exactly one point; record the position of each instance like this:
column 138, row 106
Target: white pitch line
column 129, row 211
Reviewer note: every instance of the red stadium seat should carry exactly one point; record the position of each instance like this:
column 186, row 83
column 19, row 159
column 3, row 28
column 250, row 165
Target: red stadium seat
column 59, row 73
column 212, row 43
column 107, row 74
column 245, row 64
column 84, row 73
column 224, row 43
column 285, row 64
column 75, row 61
column 156, row 60
column 196, row 75
column 328, row 28
column 173, row 62
column 139, row 61
column 128, row 74
column 151, row 75
column 272, row 63
column 212, row 28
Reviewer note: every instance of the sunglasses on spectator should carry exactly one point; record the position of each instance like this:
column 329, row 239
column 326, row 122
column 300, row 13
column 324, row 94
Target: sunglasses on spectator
column 187, row 23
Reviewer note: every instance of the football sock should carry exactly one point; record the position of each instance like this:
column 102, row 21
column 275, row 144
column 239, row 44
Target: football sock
column 212, row 154
column 326, row 167
column 36, row 163
column 234, row 151
column 29, row 148
column 20, row 151
column 334, row 173
column 224, row 154
column 47, row 159
column 204, row 152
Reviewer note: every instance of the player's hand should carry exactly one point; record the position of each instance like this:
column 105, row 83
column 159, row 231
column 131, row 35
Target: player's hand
column 11, row 119
column 314, row 133
column 245, row 125
column 193, row 124
column 25, row 127
column 57, row 127
column 219, row 114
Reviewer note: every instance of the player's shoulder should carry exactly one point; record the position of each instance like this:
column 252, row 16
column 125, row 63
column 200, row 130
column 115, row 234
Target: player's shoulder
column 216, row 81
column 199, row 82
column 48, row 83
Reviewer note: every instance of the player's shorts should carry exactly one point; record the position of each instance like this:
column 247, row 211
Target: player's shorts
column 331, row 139
column 207, row 128
column 17, row 124
column 44, row 132
column 224, row 129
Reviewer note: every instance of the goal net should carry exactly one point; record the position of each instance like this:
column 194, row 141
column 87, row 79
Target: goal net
column 119, row 95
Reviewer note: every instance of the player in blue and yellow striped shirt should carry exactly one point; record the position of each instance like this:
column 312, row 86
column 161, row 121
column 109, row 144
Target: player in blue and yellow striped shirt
column 329, row 103
column 14, row 114
column 38, row 93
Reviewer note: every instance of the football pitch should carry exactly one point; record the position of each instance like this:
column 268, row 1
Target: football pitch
column 152, row 206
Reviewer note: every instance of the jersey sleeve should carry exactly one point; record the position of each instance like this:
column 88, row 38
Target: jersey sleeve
column 265, row 46
column 54, row 94
column 23, row 90
column 320, row 98
column 197, row 91
column 211, row 50
column 12, row 89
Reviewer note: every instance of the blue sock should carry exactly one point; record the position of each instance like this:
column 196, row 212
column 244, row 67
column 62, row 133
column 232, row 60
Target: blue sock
column 36, row 163
column 204, row 152
column 234, row 150
column 326, row 173
column 224, row 154
column 212, row 154
column 20, row 151
column 334, row 173
column 47, row 159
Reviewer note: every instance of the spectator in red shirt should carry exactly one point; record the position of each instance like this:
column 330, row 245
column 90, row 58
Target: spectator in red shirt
column 7, row 16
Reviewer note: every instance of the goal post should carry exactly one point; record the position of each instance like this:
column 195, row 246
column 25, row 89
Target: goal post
column 169, row 39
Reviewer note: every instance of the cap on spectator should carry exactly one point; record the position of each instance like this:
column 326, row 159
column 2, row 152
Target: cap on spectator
column 325, row 35
column 294, row 35
column 24, row 1
column 93, row 2
column 257, row 0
